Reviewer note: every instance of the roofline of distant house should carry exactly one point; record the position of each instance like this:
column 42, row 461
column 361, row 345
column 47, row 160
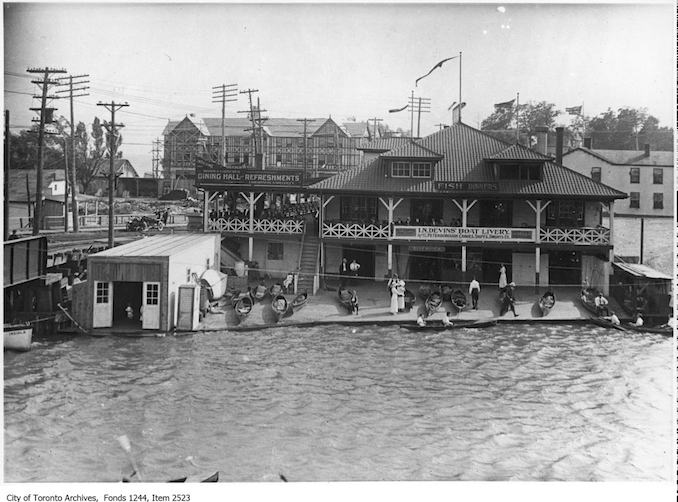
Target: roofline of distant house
column 593, row 153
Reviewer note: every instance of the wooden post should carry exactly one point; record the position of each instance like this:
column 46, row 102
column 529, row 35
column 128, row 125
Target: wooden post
column 537, row 250
column 611, row 206
column 205, row 209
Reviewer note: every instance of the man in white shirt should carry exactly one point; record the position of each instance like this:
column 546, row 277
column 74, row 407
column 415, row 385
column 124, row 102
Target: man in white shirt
column 613, row 318
column 639, row 320
column 474, row 291
column 601, row 305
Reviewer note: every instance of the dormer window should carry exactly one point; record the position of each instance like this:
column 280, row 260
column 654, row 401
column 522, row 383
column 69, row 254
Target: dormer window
column 523, row 172
column 411, row 170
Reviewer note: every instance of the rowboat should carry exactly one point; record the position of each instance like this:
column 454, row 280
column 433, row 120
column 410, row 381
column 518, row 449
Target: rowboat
column 588, row 303
column 349, row 299
column 279, row 306
column 604, row 323
column 456, row 325
column 243, row 306
column 433, row 303
column 546, row 302
column 409, row 300
column 259, row 292
column 17, row 337
column 275, row 290
column 300, row 300
column 660, row 330
column 212, row 478
column 458, row 299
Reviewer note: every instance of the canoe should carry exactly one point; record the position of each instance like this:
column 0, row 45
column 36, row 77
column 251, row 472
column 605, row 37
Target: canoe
column 410, row 299
column 349, row 299
column 275, row 290
column 660, row 330
column 212, row 478
column 259, row 292
column 604, row 323
column 17, row 337
column 458, row 299
column 243, row 306
column 279, row 306
column 433, row 303
column 456, row 325
column 546, row 302
column 589, row 304
column 300, row 300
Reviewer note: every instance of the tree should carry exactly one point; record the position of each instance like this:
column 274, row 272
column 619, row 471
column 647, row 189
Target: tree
column 628, row 129
column 92, row 154
column 24, row 151
column 502, row 122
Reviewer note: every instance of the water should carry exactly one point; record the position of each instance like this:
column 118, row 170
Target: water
column 345, row 403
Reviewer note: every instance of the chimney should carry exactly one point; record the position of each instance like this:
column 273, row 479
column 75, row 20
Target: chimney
column 647, row 149
column 559, row 145
column 542, row 139
column 587, row 143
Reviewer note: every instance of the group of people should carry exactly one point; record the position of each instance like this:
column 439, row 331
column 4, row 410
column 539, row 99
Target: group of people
column 347, row 270
column 162, row 215
column 396, row 287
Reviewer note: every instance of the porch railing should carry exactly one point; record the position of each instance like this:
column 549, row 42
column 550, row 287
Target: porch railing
column 242, row 225
column 355, row 231
column 585, row 236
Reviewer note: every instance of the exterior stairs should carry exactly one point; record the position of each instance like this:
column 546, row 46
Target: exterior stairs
column 308, row 263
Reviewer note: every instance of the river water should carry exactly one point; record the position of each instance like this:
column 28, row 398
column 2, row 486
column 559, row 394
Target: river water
column 539, row 402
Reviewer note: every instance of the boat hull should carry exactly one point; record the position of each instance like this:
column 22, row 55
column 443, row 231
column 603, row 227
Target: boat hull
column 17, row 338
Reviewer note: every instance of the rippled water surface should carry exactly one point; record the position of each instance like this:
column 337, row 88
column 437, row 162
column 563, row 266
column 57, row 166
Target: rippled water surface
column 341, row 403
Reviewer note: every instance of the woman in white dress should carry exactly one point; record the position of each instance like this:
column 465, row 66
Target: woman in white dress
column 502, row 277
column 393, row 283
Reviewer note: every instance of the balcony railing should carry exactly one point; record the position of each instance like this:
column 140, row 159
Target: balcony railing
column 355, row 231
column 242, row 225
column 585, row 236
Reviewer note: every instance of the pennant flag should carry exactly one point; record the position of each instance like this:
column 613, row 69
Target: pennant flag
column 396, row 110
column 505, row 104
column 574, row 110
column 450, row 107
column 439, row 65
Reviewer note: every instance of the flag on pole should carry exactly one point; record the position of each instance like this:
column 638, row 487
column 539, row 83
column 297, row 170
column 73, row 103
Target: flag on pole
column 505, row 104
column 438, row 65
column 396, row 110
column 574, row 110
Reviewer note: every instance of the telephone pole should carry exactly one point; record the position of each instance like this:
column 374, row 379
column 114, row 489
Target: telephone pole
column 8, row 157
column 46, row 115
column 375, row 119
column 71, row 89
column 257, row 120
column 305, row 121
column 156, row 158
column 112, row 148
column 222, row 94
column 421, row 105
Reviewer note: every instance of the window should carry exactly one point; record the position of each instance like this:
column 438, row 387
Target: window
column 400, row 169
column 102, row 292
column 634, row 201
column 236, row 158
column 152, row 294
column 278, row 158
column 275, row 251
column 426, row 211
column 361, row 209
column 246, row 158
column 520, row 172
column 565, row 213
column 658, row 200
column 634, row 174
column 288, row 142
column 658, row 176
column 421, row 170
column 595, row 174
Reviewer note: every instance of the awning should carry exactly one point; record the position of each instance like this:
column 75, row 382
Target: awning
column 638, row 270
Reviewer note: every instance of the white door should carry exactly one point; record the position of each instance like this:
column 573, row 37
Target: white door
column 103, row 305
column 151, row 305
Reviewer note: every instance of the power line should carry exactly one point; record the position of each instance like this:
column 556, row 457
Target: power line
column 223, row 94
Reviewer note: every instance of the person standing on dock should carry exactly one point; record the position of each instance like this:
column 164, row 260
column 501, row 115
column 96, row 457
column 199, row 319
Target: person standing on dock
column 400, row 289
column 474, row 291
column 354, row 266
column 343, row 272
column 511, row 298
column 502, row 278
column 393, row 283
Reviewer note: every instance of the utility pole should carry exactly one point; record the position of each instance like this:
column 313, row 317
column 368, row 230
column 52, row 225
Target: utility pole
column 251, row 113
column 71, row 89
column 8, row 157
column 257, row 121
column 156, row 158
column 375, row 119
column 46, row 115
column 411, row 105
column 222, row 94
column 422, row 105
column 305, row 121
column 112, row 148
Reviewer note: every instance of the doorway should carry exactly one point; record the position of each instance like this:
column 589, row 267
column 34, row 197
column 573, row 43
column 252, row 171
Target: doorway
column 124, row 294
column 565, row 267
column 364, row 255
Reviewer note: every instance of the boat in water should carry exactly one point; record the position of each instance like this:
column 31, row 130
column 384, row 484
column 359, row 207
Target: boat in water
column 212, row 478
column 664, row 330
column 17, row 337
column 279, row 306
column 300, row 300
column 456, row 325
column 349, row 299
column 546, row 302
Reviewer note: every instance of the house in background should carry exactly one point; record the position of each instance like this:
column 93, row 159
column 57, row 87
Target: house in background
column 127, row 181
column 22, row 185
column 645, row 175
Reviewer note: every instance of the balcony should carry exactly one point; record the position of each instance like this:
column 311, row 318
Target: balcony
column 582, row 236
column 335, row 230
column 261, row 226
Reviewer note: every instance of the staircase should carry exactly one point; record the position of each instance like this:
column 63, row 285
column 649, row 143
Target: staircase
column 308, row 263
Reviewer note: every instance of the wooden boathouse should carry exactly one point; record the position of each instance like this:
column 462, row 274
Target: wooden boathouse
column 136, row 286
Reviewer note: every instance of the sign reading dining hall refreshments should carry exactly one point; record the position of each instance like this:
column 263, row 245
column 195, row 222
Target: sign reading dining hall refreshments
column 218, row 178
column 464, row 234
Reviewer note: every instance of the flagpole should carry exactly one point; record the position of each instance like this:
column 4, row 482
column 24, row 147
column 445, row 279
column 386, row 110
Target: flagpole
column 459, row 86
column 412, row 115
column 517, row 115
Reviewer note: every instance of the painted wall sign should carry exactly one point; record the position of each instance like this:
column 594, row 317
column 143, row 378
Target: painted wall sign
column 465, row 234
column 467, row 186
column 220, row 178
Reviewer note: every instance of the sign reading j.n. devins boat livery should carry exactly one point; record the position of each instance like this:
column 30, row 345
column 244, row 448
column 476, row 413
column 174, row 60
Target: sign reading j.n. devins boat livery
column 464, row 234
column 221, row 178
